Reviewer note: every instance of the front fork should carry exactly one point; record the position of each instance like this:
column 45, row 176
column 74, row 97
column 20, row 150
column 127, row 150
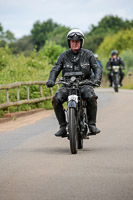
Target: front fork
column 71, row 104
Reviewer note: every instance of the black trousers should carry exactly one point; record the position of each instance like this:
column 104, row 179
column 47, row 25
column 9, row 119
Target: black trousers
column 87, row 94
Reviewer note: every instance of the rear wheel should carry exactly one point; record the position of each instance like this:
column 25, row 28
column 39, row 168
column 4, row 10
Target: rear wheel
column 72, row 128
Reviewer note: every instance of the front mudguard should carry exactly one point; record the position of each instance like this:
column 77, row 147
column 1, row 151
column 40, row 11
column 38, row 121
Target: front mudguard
column 72, row 104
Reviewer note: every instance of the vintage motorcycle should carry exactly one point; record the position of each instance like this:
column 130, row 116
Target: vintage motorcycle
column 76, row 109
column 115, row 77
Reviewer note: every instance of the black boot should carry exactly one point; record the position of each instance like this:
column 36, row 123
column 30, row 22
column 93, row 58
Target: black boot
column 91, row 113
column 62, row 132
column 60, row 115
column 93, row 129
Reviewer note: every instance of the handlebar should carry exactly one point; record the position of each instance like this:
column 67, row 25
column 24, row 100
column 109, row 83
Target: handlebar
column 62, row 82
column 85, row 82
column 120, row 67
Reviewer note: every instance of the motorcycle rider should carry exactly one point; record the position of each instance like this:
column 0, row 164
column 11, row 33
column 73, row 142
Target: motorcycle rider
column 98, row 61
column 75, row 59
column 115, row 60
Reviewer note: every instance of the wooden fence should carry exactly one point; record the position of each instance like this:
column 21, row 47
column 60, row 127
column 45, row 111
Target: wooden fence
column 28, row 100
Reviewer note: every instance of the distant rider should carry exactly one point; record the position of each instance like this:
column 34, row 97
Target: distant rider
column 115, row 60
column 74, row 60
column 98, row 61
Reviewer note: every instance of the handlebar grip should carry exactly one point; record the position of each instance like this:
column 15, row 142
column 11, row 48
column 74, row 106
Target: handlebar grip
column 61, row 82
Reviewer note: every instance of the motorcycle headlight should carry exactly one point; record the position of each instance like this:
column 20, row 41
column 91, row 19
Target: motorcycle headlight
column 116, row 68
column 73, row 78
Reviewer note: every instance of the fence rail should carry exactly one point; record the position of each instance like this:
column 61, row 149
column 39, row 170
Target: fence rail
column 26, row 101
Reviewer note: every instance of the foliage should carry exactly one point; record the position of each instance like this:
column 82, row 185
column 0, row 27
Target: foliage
column 51, row 31
column 127, row 56
column 59, row 36
column 92, row 42
column 7, row 36
column 25, row 45
column 52, row 51
column 121, row 41
column 40, row 32
column 109, row 25
column 19, row 68
column 4, row 57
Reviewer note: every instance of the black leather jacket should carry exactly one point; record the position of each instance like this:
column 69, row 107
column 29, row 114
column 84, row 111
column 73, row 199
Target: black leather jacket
column 115, row 62
column 83, row 61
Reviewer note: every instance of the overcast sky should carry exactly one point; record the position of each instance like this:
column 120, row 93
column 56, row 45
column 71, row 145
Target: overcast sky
column 19, row 15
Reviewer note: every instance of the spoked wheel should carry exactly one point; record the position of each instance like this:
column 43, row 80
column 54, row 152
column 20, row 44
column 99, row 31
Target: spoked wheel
column 116, row 83
column 116, row 88
column 72, row 128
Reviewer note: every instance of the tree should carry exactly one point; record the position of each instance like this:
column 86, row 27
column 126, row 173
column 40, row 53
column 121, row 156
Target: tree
column 52, row 51
column 1, row 32
column 24, row 44
column 59, row 35
column 6, row 37
column 109, row 25
column 121, row 41
column 41, row 31
column 9, row 36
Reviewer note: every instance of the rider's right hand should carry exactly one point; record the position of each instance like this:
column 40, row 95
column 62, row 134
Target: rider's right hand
column 50, row 83
column 97, row 82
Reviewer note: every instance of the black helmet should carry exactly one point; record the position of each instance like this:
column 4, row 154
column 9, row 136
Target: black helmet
column 75, row 34
column 114, row 52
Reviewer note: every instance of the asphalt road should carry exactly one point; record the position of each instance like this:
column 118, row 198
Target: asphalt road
column 35, row 165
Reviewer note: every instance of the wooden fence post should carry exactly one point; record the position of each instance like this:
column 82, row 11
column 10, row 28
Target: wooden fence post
column 28, row 92
column 51, row 92
column 7, row 98
column 41, row 91
column 18, row 97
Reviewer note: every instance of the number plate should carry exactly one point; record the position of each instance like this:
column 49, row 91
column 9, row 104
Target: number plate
column 116, row 68
column 73, row 97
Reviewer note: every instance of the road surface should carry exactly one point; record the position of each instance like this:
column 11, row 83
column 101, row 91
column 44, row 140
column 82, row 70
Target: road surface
column 36, row 165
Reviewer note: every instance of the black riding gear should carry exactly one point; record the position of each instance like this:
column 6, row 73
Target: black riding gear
column 62, row 132
column 115, row 62
column 93, row 130
column 69, row 61
column 50, row 83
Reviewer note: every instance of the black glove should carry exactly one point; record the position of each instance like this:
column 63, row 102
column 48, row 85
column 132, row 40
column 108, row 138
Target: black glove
column 96, row 81
column 50, row 83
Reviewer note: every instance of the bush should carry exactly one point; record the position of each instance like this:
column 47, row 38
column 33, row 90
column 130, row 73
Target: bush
column 52, row 51
column 5, row 54
column 127, row 56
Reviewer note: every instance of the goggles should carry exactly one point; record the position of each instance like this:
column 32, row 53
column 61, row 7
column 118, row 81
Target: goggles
column 76, row 35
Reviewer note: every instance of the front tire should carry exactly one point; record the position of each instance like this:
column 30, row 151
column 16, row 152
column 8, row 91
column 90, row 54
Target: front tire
column 116, row 83
column 72, row 128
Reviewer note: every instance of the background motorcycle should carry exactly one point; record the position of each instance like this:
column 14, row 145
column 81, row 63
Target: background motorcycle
column 115, row 77
column 76, row 109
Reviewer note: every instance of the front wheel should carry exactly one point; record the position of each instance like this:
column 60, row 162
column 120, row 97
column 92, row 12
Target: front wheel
column 72, row 128
column 116, row 83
